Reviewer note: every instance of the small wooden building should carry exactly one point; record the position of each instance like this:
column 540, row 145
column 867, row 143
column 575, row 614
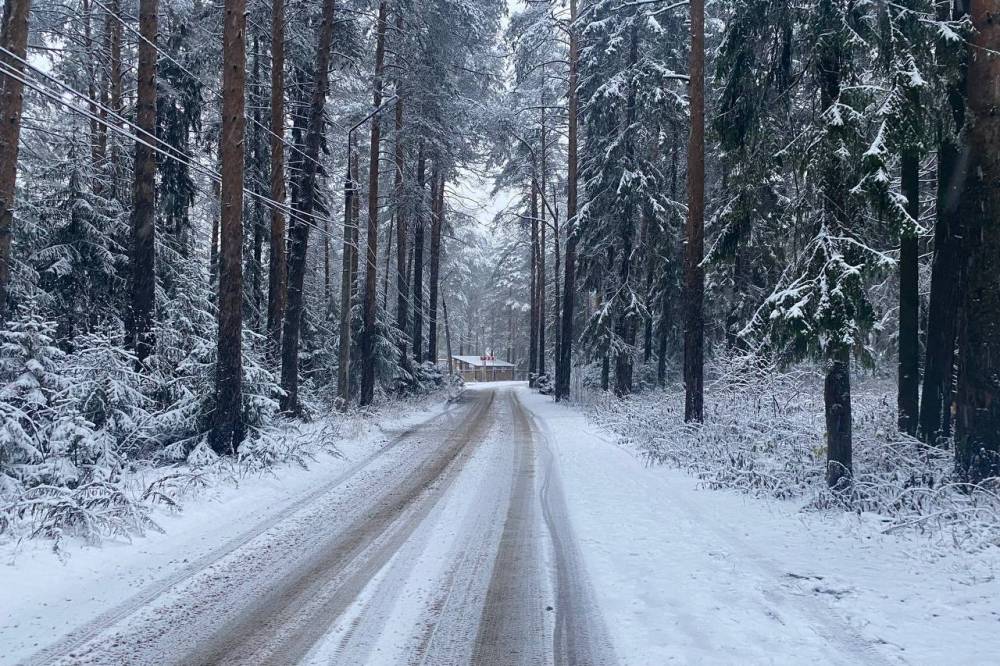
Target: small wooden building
column 483, row 369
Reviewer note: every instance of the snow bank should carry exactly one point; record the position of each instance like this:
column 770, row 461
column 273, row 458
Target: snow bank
column 764, row 435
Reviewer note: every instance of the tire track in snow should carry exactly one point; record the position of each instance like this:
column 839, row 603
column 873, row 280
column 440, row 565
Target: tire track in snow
column 283, row 627
column 86, row 632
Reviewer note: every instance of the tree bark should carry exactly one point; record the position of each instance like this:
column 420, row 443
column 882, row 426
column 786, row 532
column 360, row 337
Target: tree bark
column 564, row 369
column 418, row 263
column 556, row 270
column 302, row 218
column 542, row 280
column 837, row 401
column 402, row 284
column 347, row 284
column 437, row 220
column 946, row 268
column 977, row 417
column 14, row 37
column 143, row 284
column 694, row 275
column 533, row 342
column 371, row 301
column 257, row 274
column 227, row 430
column 277, row 284
column 909, row 300
column 447, row 336
column 625, row 325
column 115, row 87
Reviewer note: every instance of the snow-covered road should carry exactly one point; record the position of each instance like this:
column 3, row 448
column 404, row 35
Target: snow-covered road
column 506, row 530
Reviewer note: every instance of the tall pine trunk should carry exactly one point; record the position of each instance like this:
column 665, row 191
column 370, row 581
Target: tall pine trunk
column 909, row 300
column 694, row 274
column 946, row 268
column 277, row 272
column 437, row 220
column 533, row 324
column 14, row 38
column 837, row 390
column 542, row 277
column 556, row 301
column 302, row 217
column 977, row 417
column 625, row 325
column 418, row 263
column 564, row 369
column 113, row 26
column 227, row 420
column 259, row 214
column 347, row 282
column 402, row 284
column 371, row 283
column 143, row 282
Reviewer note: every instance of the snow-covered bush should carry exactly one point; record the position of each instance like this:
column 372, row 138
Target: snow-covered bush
column 544, row 384
column 764, row 435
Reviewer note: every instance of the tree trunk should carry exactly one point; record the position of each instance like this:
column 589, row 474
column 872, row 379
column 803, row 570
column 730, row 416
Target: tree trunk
column 977, row 417
column 14, row 37
column 533, row 342
column 555, row 287
column 625, row 325
column 371, row 284
column 418, row 263
column 694, row 275
column 437, row 220
column 144, row 194
column 447, row 336
column 909, row 300
column 277, row 267
column 115, row 86
column 299, row 229
column 227, row 430
column 402, row 284
column 258, row 205
column 542, row 281
column 346, row 285
column 946, row 268
column 661, row 343
column 837, row 401
column 564, row 369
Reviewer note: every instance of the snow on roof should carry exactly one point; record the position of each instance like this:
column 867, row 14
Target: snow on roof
column 481, row 363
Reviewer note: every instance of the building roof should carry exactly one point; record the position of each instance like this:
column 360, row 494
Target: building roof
column 478, row 362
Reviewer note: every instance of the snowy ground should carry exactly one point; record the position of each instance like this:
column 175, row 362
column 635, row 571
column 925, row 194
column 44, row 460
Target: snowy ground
column 696, row 576
column 46, row 596
column 503, row 530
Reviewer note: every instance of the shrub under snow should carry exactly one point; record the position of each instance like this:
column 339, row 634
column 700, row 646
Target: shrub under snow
column 764, row 435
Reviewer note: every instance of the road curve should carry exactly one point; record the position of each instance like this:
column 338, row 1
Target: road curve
column 452, row 546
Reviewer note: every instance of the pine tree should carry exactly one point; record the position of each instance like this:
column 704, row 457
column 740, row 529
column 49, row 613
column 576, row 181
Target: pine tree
column 369, row 336
column 228, row 429
column 14, row 39
column 977, row 419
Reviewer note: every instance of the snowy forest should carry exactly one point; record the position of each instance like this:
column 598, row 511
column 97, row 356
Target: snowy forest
column 739, row 262
column 762, row 238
